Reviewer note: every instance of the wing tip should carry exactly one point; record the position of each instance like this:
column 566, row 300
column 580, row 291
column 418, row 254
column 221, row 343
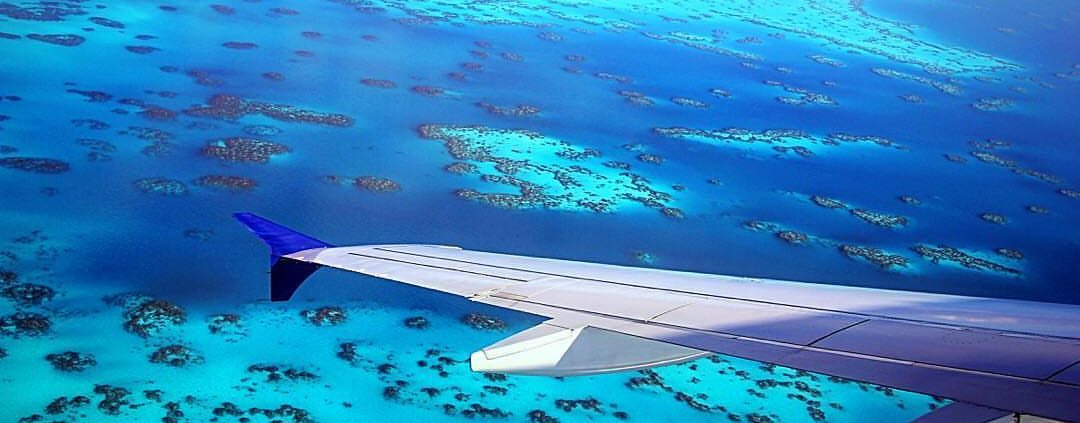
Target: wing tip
column 286, row 274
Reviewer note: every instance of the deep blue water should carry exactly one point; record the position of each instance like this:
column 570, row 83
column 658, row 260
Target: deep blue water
column 100, row 234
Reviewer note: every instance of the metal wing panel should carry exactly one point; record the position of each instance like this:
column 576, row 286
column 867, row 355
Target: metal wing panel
column 958, row 348
column 758, row 320
column 391, row 254
column 998, row 314
column 595, row 297
column 439, row 279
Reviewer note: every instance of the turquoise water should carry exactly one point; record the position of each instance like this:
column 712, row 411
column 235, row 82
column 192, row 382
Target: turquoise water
column 737, row 138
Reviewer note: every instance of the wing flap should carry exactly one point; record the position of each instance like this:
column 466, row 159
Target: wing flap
column 552, row 349
column 958, row 348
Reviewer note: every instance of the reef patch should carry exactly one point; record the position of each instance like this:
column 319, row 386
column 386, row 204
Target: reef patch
column 524, row 169
column 229, row 107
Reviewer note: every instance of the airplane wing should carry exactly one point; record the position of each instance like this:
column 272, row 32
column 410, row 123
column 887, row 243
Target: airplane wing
column 996, row 359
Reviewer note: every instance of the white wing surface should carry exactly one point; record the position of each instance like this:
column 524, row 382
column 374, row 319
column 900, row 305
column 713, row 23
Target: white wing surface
column 992, row 357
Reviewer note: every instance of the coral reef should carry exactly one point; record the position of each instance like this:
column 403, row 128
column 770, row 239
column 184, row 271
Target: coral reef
column 228, row 107
column 175, row 355
column 113, row 399
column 225, row 324
column 826, row 202
column 912, row 98
column 429, row 91
column 875, row 256
column 376, row 183
column 944, row 253
column 944, row 87
column 24, row 324
column 262, row 130
column 35, row 164
column 826, row 60
column 277, row 373
column 460, row 168
column 378, row 83
column 99, row 150
column 239, row 45
column 244, row 150
column 71, row 361
column 644, row 257
column 873, row 217
column 325, row 316
column 226, row 182
column 41, row 11
column 521, row 110
column 996, row 160
column 483, row 322
column 689, row 102
column 417, row 322
column 141, row 49
column 993, row 218
column 880, row 219
column 993, row 104
column 279, row 414
column 1009, row 253
column 650, row 158
column 28, row 294
column 1036, row 209
column 910, row 200
column 792, row 237
column 801, row 96
column 66, row 40
column 64, row 405
column 146, row 317
column 546, row 172
column 161, row 186
column 781, row 140
column 636, row 98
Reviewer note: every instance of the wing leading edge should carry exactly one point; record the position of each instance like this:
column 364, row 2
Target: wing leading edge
column 992, row 357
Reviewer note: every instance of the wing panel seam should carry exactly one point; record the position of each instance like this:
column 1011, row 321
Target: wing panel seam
column 438, row 267
column 1062, row 370
column 822, row 338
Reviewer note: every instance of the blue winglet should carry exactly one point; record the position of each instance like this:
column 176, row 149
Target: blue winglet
column 286, row 274
column 282, row 240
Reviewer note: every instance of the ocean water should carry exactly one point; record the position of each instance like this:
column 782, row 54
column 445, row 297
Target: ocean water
column 769, row 138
